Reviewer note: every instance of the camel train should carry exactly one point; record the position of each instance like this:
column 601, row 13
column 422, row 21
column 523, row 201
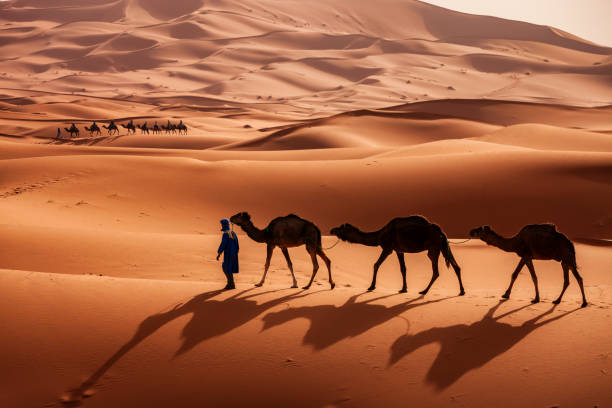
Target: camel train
column 412, row 235
column 112, row 129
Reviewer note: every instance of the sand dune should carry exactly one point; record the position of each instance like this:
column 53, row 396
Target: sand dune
column 331, row 110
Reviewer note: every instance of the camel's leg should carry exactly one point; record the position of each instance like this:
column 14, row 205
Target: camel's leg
column 270, row 249
column 315, row 265
column 535, row 280
column 385, row 253
column 579, row 279
column 433, row 254
column 290, row 265
column 328, row 264
column 402, row 262
column 513, row 278
column 565, row 283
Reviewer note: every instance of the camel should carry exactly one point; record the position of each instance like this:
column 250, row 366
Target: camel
column 93, row 129
column 412, row 234
column 181, row 127
column 170, row 128
column 156, row 129
column 130, row 127
column 73, row 130
column 112, row 128
column 539, row 241
column 286, row 232
column 143, row 128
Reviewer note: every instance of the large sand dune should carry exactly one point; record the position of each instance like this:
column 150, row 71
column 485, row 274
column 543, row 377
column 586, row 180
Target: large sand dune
column 331, row 110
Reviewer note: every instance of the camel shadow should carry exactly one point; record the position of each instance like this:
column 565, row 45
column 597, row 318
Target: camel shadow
column 211, row 318
column 330, row 324
column 466, row 347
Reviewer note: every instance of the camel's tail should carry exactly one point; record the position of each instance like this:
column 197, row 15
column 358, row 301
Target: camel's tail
column 446, row 251
column 448, row 255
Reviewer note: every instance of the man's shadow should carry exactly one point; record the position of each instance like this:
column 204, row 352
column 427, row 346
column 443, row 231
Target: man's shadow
column 330, row 324
column 211, row 318
column 466, row 347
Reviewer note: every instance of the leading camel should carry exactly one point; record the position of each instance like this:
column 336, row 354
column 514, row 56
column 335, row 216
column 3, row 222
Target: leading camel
column 539, row 241
column 286, row 232
column 73, row 130
column 410, row 234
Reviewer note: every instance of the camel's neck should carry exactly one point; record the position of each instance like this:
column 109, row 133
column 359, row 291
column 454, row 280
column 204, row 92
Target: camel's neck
column 364, row 238
column 253, row 232
column 505, row 244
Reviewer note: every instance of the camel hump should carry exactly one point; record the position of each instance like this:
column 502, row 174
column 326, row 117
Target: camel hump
column 413, row 219
column 541, row 227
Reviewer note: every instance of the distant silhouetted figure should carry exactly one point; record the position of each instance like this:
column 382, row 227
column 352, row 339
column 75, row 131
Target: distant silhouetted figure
column 411, row 234
column 540, row 241
column 73, row 130
column 287, row 232
column 144, row 128
column 130, row 127
column 181, row 128
column 156, row 129
column 229, row 248
column 59, row 133
column 112, row 128
column 93, row 129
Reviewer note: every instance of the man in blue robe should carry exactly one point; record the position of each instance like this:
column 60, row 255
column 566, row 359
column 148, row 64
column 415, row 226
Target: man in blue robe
column 229, row 248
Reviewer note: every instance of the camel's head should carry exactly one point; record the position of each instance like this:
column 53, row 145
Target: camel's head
column 342, row 231
column 480, row 231
column 242, row 218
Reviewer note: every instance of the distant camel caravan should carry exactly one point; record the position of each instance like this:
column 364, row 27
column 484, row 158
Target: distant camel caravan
column 286, row 232
column 411, row 234
column 171, row 128
column 540, row 241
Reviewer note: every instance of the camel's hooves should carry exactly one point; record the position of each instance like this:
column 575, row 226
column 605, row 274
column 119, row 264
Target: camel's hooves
column 259, row 285
column 306, row 287
column 462, row 293
column 584, row 304
column 371, row 288
column 535, row 301
column 556, row 302
column 423, row 292
column 333, row 285
column 506, row 296
column 402, row 291
column 295, row 285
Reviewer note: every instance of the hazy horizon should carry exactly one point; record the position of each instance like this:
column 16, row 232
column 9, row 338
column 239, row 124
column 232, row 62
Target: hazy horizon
column 587, row 18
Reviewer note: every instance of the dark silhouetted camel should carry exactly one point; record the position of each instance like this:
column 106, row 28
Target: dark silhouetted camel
column 93, row 129
column 286, row 232
column 143, row 128
column 463, row 347
column 112, row 128
column 130, row 127
column 156, row 130
column 73, row 130
column 411, row 234
column 540, row 241
column 182, row 128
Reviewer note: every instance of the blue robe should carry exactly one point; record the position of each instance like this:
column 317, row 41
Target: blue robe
column 229, row 246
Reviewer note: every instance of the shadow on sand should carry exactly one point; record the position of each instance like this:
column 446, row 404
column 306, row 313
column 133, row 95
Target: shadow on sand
column 330, row 324
column 466, row 347
column 227, row 314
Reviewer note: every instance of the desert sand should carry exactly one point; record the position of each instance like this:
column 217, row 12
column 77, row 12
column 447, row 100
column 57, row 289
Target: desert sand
column 332, row 110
